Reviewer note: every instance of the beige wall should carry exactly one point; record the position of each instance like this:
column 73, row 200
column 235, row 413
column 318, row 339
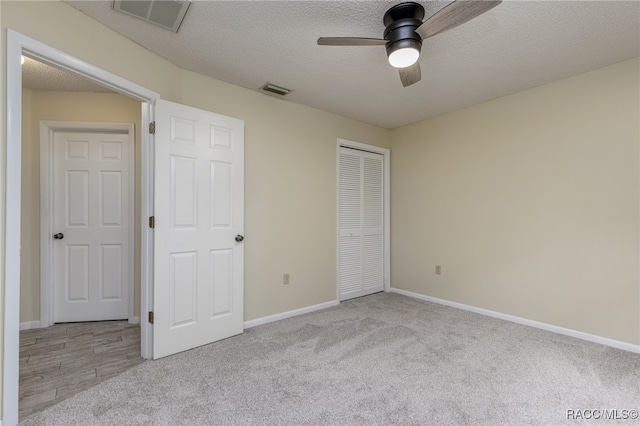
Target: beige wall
column 529, row 202
column 63, row 106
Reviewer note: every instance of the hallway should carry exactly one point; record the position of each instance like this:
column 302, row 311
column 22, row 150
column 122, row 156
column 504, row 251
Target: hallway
column 59, row 361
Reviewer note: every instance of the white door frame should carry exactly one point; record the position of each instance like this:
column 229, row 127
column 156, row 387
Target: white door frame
column 386, row 154
column 47, row 159
column 17, row 44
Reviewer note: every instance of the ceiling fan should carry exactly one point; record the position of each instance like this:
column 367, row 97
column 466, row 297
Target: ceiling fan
column 404, row 32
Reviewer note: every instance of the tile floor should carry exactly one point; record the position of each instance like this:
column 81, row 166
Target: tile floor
column 59, row 361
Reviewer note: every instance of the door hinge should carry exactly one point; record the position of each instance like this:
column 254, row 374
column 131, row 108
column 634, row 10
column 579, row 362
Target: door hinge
column 152, row 222
column 152, row 127
column 150, row 317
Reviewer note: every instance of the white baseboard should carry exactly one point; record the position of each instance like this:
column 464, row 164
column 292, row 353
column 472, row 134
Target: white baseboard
column 134, row 320
column 541, row 325
column 289, row 314
column 29, row 325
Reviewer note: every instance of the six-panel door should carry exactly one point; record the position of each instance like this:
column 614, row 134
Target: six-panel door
column 91, row 225
column 198, row 270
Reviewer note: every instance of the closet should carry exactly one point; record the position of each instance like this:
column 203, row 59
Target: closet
column 360, row 223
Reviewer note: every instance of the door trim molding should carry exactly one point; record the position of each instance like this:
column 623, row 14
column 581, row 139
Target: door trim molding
column 47, row 134
column 18, row 44
column 386, row 154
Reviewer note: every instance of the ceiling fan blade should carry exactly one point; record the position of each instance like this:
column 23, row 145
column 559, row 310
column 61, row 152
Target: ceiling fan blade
column 410, row 74
column 454, row 14
column 350, row 41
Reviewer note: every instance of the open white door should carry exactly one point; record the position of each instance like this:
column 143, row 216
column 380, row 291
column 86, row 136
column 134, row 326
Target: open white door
column 199, row 221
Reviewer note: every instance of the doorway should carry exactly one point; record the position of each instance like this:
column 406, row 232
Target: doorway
column 213, row 175
column 87, row 233
column 17, row 45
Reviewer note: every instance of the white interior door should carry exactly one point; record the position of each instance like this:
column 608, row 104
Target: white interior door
column 91, row 222
column 360, row 223
column 199, row 221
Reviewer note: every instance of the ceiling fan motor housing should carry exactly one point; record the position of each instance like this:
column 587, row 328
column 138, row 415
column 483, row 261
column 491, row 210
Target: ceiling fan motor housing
column 401, row 22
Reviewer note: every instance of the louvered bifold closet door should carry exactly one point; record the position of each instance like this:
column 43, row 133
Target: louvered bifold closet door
column 360, row 223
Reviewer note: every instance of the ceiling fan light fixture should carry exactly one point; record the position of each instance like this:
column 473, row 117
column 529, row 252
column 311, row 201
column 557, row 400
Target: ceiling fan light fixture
column 404, row 57
column 403, row 53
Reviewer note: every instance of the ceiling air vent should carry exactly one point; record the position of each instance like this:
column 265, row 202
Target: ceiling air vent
column 167, row 14
column 276, row 89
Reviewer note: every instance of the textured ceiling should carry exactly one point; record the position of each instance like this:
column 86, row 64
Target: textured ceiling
column 39, row 76
column 515, row 46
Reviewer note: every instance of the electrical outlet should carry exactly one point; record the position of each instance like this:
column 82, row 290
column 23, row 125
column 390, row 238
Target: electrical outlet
column 438, row 269
column 285, row 278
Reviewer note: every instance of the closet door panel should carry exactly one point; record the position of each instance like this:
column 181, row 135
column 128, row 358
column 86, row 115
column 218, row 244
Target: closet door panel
column 360, row 223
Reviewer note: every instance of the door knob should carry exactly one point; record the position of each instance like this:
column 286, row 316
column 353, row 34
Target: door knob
column 239, row 238
column 58, row 236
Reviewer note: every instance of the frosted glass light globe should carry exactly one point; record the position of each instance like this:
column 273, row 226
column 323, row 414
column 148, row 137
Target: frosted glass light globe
column 404, row 57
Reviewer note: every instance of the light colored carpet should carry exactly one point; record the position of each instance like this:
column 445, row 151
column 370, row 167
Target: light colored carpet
column 381, row 359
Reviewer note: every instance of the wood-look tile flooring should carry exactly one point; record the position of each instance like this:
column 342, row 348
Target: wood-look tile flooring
column 59, row 361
